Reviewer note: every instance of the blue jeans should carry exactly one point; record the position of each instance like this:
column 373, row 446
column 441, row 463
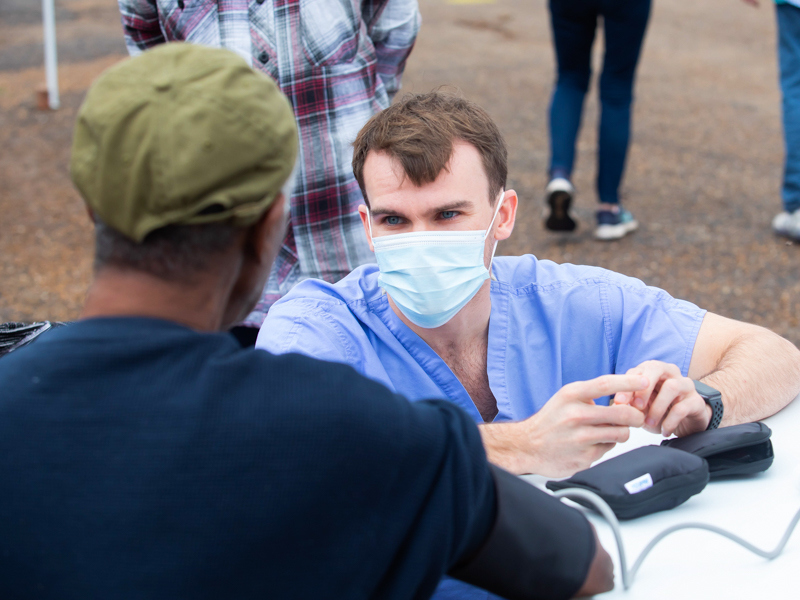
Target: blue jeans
column 574, row 24
column 789, row 60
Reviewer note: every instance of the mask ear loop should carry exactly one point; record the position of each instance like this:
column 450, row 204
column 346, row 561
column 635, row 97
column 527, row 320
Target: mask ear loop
column 369, row 224
column 489, row 230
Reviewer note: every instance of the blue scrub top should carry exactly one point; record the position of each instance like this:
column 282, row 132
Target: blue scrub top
column 550, row 325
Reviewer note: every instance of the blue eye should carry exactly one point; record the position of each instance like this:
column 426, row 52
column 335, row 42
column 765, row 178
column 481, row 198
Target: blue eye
column 448, row 214
column 392, row 220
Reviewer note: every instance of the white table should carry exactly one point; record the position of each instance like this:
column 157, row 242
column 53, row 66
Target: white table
column 698, row 564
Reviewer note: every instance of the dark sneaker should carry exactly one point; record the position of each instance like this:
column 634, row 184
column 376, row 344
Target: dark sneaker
column 787, row 224
column 559, row 197
column 613, row 225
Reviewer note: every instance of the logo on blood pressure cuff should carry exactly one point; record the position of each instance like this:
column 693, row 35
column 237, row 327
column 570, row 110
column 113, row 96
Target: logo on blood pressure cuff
column 640, row 484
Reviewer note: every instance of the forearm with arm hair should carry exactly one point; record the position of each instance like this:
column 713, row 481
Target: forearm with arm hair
column 758, row 373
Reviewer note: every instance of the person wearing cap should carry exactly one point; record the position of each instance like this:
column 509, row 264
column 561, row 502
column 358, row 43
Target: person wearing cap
column 507, row 338
column 145, row 454
column 339, row 62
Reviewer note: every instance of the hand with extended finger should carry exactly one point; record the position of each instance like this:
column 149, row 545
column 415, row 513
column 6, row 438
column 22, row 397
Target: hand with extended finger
column 569, row 433
column 670, row 403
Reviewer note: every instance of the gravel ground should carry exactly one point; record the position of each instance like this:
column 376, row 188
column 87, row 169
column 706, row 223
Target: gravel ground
column 703, row 174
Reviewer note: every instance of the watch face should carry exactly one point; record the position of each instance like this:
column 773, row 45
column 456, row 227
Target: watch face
column 706, row 390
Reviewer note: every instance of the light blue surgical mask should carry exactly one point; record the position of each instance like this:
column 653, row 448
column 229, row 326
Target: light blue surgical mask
column 431, row 275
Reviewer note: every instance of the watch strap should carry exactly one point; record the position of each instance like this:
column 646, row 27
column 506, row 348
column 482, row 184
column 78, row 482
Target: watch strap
column 712, row 397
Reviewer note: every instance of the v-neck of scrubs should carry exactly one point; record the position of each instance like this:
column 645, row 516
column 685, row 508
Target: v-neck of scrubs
column 438, row 370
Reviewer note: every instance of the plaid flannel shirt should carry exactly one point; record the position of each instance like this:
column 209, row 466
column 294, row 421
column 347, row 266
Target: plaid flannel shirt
column 339, row 62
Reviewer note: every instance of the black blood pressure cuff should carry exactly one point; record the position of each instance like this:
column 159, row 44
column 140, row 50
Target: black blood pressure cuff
column 642, row 481
column 538, row 548
column 736, row 450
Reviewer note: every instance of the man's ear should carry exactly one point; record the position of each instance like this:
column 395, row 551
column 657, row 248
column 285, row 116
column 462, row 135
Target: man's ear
column 254, row 252
column 506, row 216
column 362, row 212
column 266, row 235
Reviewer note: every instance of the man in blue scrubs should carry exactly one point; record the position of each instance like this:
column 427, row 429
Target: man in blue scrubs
column 504, row 338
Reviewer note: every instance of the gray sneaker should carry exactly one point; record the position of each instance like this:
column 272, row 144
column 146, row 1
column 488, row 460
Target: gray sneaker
column 787, row 224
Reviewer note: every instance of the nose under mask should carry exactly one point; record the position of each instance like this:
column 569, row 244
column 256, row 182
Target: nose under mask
column 432, row 275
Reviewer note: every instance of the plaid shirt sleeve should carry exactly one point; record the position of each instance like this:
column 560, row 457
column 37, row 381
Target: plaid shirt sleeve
column 140, row 24
column 392, row 26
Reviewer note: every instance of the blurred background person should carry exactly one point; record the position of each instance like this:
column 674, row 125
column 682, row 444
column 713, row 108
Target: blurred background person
column 339, row 62
column 574, row 23
column 787, row 223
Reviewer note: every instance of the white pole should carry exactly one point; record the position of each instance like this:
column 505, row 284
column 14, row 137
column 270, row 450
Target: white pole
column 50, row 55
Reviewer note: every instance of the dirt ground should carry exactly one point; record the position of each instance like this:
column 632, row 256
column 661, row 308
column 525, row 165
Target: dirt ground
column 703, row 176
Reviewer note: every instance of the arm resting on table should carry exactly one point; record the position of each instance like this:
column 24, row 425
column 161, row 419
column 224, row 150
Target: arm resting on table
column 757, row 371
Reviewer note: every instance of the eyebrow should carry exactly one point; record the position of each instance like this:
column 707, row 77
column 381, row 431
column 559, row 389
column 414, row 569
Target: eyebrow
column 380, row 212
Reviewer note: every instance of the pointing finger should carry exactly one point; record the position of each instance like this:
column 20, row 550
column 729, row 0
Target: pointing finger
column 606, row 385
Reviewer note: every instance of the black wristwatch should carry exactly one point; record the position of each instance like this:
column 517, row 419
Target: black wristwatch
column 714, row 399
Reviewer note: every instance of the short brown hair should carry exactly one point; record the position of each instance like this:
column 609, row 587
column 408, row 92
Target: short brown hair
column 419, row 132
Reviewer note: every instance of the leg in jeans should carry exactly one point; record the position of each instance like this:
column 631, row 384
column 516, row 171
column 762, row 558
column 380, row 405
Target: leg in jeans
column 574, row 23
column 789, row 59
column 625, row 22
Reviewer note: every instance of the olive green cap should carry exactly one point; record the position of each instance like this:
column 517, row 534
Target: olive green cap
column 182, row 134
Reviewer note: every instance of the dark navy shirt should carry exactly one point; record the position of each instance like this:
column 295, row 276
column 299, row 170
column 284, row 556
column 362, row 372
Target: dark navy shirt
column 141, row 459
